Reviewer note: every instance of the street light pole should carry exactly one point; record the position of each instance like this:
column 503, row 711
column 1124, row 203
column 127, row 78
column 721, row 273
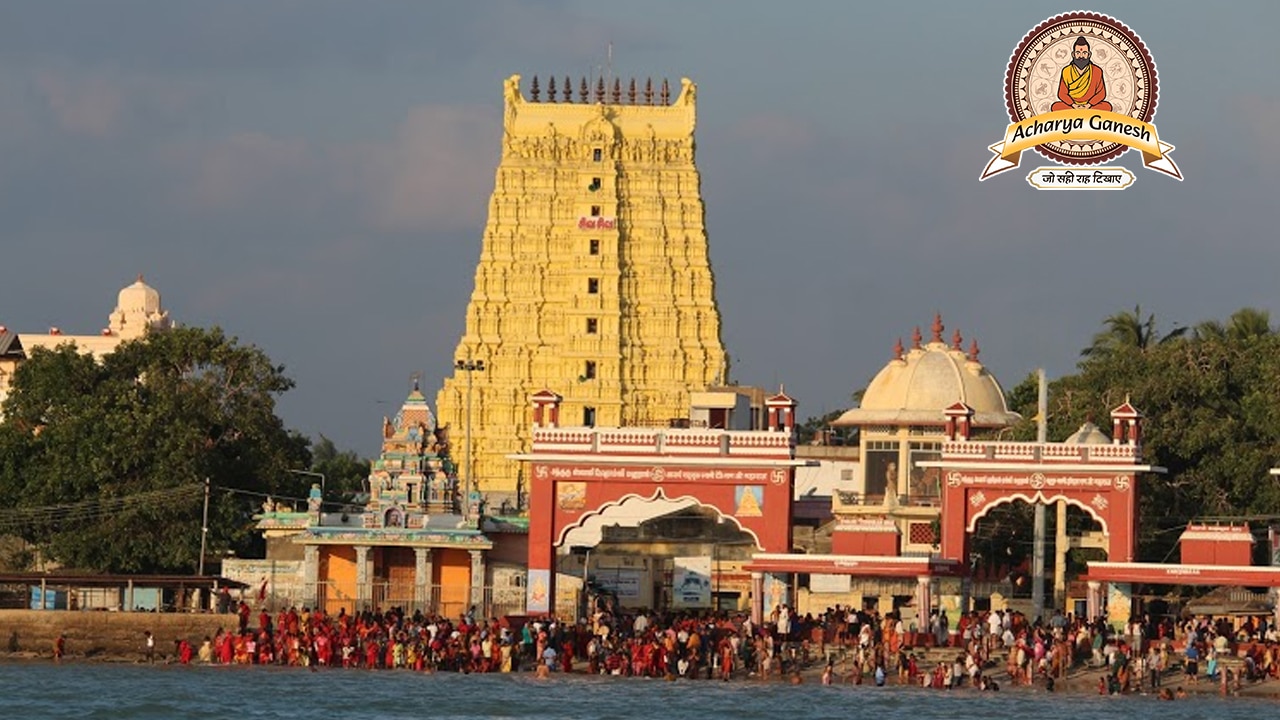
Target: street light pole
column 204, row 527
column 469, row 366
column 312, row 474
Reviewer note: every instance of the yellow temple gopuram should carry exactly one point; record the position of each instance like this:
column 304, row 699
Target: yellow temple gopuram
column 594, row 278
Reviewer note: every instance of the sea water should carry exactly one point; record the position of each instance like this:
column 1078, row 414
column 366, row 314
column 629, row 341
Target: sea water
column 126, row 692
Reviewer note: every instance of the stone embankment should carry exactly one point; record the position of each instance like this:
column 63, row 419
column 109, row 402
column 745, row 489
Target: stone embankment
column 91, row 634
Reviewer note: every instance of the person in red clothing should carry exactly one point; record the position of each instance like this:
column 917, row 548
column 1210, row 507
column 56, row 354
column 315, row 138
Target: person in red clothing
column 243, row 612
column 184, row 652
column 59, row 647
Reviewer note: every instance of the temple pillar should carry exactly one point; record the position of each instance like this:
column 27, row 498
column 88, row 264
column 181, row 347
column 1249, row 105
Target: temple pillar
column 757, row 598
column 477, row 583
column 363, row 590
column 540, row 588
column 924, row 602
column 1093, row 600
column 311, row 576
column 422, row 571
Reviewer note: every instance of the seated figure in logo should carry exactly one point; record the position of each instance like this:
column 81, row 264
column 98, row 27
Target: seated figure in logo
column 1081, row 85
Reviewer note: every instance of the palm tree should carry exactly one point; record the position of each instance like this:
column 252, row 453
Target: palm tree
column 1249, row 323
column 1128, row 330
column 1245, row 324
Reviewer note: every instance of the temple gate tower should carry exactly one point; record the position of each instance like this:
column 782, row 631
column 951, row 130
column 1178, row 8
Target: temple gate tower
column 594, row 276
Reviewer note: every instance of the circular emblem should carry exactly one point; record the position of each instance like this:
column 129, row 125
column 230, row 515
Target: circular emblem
column 658, row 475
column 1081, row 60
column 953, row 479
column 1122, row 482
column 1037, row 480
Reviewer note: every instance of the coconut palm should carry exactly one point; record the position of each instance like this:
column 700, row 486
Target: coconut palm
column 1247, row 323
column 1128, row 330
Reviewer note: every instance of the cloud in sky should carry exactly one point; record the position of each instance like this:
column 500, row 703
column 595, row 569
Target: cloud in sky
column 314, row 178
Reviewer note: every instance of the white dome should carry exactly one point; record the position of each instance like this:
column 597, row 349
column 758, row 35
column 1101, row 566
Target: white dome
column 917, row 386
column 138, row 312
column 1088, row 434
column 139, row 297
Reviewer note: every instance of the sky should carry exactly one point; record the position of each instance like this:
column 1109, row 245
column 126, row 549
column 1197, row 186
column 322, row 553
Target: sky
column 313, row 177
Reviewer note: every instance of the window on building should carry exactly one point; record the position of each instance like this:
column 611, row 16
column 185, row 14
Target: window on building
column 881, row 464
column 595, row 184
column 589, row 370
column 846, row 476
column 593, row 326
column 595, row 211
column 594, row 246
column 588, row 416
column 593, row 285
column 597, row 154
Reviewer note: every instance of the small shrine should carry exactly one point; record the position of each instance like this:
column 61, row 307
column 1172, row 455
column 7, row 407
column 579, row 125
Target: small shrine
column 409, row 547
column 414, row 476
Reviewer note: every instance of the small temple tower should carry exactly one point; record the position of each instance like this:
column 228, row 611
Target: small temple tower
column 593, row 277
column 138, row 311
column 414, row 474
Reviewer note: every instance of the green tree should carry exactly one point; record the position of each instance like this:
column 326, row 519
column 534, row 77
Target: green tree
column 114, row 453
column 1213, row 420
column 1125, row 330
column 807, row 430
column 1244, row 325
column 345, row 472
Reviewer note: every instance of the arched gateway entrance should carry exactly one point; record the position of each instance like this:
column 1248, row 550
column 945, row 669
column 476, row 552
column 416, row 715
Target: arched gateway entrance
column 588, row 482
column 1100, row 479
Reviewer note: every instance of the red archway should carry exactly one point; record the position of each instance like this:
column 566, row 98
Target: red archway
column 1101, row 479
column 584, row 476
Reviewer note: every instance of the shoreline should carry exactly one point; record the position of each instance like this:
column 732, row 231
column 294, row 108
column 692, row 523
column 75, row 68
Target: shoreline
column 1080, row 681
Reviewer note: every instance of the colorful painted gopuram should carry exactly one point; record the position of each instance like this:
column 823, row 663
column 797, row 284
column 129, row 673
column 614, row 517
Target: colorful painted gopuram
column 408, row 546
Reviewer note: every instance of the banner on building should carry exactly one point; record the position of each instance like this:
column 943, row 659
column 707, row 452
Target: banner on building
column 691, row 582
column 623, row 583
column 820, row 583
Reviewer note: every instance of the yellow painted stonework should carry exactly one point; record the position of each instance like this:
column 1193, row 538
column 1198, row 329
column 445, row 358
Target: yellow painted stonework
column 593, row 262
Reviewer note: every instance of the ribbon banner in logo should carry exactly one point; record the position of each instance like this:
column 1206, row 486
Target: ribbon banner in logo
column 1082, row 125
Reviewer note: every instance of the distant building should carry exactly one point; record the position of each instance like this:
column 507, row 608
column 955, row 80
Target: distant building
column 138, row 311
column 594, row 276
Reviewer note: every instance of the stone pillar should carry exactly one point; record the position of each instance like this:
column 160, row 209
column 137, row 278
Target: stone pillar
column 311, row 592
column 422, row 572
column 1093, row 600
column 1060, row 547
column 924, row 602
column 363, row 594
column 757, row 598
column 477, row 583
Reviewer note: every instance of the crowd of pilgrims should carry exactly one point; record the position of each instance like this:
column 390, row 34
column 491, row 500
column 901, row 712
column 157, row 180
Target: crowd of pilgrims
column 855, row 646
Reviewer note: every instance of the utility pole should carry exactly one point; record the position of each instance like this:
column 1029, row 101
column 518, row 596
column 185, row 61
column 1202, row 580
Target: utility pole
column 1037, row 557
column 204, row 528
column 470, row 367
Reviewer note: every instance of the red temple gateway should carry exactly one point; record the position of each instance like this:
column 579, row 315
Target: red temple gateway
column 587, row 481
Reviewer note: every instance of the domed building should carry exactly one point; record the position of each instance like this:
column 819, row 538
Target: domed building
column 902, row 421
column 138, row 312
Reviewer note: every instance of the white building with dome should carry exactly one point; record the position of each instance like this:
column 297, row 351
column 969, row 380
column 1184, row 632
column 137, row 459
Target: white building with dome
column 888, row 516
column 138, row 312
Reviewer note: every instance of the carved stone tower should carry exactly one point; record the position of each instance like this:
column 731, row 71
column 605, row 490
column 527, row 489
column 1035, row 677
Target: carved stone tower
column 594, row 277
